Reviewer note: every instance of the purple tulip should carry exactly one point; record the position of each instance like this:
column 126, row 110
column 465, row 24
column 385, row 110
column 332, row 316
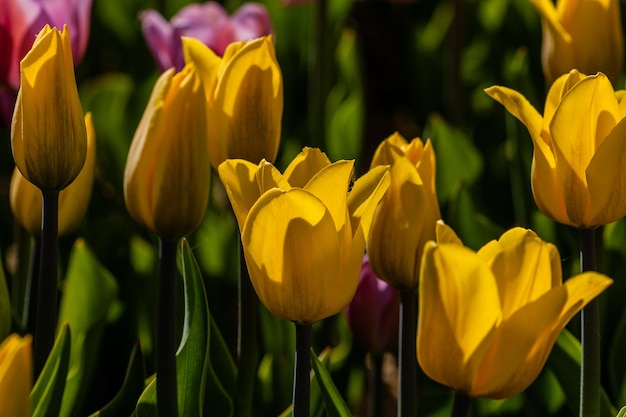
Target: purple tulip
column 207, row 22
column 374, row 312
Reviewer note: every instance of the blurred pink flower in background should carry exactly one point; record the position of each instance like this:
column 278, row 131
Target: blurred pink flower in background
column 207, row 22
column 373, row 315
column 20, row 21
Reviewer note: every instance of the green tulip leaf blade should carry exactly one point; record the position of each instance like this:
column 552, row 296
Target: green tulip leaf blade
column 89, row 302
column 146, row 406
column 333, row 402
column 47, row 394
column 125, row 401
column 622, row 412
column 222, row 374
column 564, row 360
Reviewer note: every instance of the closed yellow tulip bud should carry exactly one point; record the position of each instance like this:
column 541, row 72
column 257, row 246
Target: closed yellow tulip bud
column 244, row 92
column 583, row 35
column 579, row 149
column 16, row 376
column 303, row 232
column 167, row 175
column 48, row 134
column 406, row 216
column 488, row 319
column 25, row 198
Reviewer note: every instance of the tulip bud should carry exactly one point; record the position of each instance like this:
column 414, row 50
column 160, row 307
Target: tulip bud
column 16, row 376
column 48, row 135
column 244, row 91
column 406, row 216
column 583, row 35
column 373, row 312
column 167, row 175
column 25, row 198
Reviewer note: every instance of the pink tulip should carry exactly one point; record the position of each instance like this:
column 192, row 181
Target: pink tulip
column 207, row 22
column 374, row 312
column 21, row 20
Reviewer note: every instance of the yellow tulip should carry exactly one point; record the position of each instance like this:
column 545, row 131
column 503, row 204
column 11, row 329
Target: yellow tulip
column 25, row 198
column 167, row 175
column 244, row 91
column 406, row 216
column 303, row 232
column 488, row 319
column 16, row 376
column 579, row 149
column 583, row 35
column 48, row 134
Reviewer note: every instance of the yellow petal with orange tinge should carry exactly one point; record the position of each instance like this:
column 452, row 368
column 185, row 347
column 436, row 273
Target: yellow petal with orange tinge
column 239, row 179
column 291, row 248
column 457, row 292
column 304, row 166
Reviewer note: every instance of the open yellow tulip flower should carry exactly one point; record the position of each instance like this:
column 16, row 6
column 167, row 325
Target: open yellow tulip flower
column 303, row 232
column 48, row 134
column 244, row 92
column 488, row 319
column 167, row 175
column 26, row 199
column 406, row 216
column 579, row 148
column 16, row 376
column 584, row 35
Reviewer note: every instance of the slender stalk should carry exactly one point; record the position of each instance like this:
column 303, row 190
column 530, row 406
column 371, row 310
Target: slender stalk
column 46, row 311
column 590, row 335
column 32, row 286
column 375, row 397
column 167, row 394
column 302, row 371
column 247, row 350
column 318, row 88
column 21, row 282
column 407, row 377
column 460, row 406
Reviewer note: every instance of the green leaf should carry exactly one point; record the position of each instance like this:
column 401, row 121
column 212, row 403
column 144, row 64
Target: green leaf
column 88, row 303
column 146, row 406
column 334, row 403
column 222, row 375
column 47, row 393
column 5, row 306
column 126, row 399
column 622, row 412
column 564, row 360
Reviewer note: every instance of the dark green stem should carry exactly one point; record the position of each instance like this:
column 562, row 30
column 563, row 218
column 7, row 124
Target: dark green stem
column 247, row 350
column 21, row 281
column 167, row 394
column 407, row 377
column 590, row 335
column 32, row 286
column 318, row 88
column 302, row 371
column 46, row 311
column 460, row 406
column 375, row 387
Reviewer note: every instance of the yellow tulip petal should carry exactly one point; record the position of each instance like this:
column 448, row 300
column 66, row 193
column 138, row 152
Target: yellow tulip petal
column 400, row 227
column 389, row 150
column 445, row 234
column 269, row 177
column 584, row 118
column 365, row 195
column 25, row 200
column 304, row 166
column 16, row 376
column 608, row 192
column 291, row 249
column 525, row 268
column 457, row 293
column 239, row 179
column 427, row 167
column 330, row 185
column 205, row 60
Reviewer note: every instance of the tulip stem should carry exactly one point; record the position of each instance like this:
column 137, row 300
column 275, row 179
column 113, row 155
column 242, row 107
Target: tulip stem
column 45, row 324
column 167, row 394
column 247, row 350
column 302, row 371
column 375, row 397
column 407, row 377
column 321, row 73
column 460, row 406
column 590, row 335
column 32, row 286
